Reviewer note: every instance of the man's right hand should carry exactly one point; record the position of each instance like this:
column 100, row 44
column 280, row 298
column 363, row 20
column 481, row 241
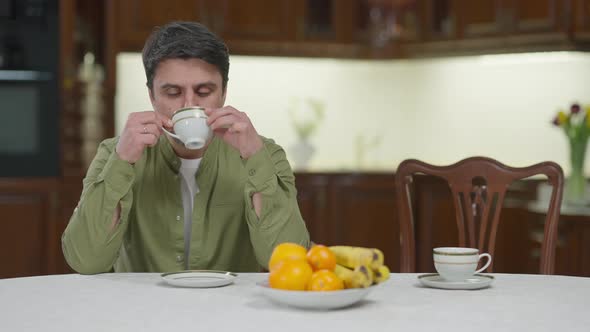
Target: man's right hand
column 141, row 130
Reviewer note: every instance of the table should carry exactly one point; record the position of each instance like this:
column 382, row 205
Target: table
column 142, row 302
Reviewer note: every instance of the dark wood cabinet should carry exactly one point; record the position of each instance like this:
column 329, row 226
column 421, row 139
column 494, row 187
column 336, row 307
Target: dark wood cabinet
column 320, row 28
column 29, row 210
column 581, row 17
column 494, row 26
column 538, row 16
column 135, row 19
column 317, row 28
column 351, row 209
column 256, row 20
column 476, row 19
column 363, row 28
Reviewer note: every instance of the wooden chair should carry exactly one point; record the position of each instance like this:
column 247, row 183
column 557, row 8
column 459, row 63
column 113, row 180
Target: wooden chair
column 478, row 186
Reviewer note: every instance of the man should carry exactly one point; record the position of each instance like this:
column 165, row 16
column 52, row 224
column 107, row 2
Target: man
column 151, row 205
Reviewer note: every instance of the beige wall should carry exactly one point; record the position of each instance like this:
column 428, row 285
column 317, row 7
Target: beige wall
column 438, row 110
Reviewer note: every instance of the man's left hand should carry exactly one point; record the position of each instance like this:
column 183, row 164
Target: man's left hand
column 235, row 128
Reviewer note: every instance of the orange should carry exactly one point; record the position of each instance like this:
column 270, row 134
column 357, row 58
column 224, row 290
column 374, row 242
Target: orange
column 325, row 280
column 321, row 257
column 286, row 251
column 291, row 275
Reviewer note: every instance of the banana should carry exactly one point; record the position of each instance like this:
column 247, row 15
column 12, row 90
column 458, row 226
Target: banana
column 360, row 277
column 381, row 274
column 352, row 257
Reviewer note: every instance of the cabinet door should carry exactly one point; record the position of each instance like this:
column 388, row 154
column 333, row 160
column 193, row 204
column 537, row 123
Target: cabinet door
column 362, row 213
column 23, row 226
column 312, row 199
column 533, row 16
column 482, row 18
column 135, row 19
column 581, row 13
column 264, row 20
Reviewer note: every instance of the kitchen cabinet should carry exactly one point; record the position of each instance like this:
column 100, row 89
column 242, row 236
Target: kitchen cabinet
column 581, row 20
column 28, row 209
column 325, row 28
column 288, row 27
column 363, row 28
column 135, row 19
column 351, row 209
column 260, row 20
column 493, row 26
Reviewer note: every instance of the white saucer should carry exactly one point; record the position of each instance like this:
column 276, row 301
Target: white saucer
column 476, row 282
column 199, row 278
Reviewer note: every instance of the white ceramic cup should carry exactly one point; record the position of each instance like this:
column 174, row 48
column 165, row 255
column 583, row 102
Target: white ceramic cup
column 458, row 263
column 190, row 127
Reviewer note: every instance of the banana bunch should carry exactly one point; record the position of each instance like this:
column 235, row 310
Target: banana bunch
column 359, row 267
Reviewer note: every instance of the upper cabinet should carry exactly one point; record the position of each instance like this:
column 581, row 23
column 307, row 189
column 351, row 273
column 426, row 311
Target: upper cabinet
column 363, row 28
column 134, row 20
column 289, row 27
column 491, row 26
column 256, row 20
column 582, row 20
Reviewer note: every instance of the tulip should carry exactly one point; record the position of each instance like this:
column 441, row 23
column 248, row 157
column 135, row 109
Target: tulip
column 561, row 118
column 575, row 109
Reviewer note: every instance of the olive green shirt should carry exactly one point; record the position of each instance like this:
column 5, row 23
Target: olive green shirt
column 149, row 237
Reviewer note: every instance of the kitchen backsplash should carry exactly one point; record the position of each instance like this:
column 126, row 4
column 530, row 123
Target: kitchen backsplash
column 377, row 113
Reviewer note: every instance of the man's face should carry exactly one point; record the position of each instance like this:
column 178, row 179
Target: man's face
column 182, row 83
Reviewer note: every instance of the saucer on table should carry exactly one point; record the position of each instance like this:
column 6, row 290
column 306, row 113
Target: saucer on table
column 477, row 281
column 199, row 278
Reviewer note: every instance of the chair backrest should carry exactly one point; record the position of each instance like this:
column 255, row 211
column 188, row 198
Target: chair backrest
column 478, row 186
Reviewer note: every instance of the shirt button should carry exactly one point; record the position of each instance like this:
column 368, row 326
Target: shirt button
column 252, row 172
column 177, row 218
column 179, row 258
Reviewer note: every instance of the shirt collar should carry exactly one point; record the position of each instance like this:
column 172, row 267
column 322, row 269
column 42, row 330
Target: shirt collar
column 173, row 161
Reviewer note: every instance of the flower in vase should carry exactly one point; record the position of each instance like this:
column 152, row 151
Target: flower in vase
column 306, row 117
column 576, row 126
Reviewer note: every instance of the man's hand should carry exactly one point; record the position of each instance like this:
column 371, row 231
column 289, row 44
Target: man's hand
column 235, row 128
column 141, row 130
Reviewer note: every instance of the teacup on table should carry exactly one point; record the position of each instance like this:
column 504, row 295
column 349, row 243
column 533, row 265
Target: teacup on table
column 190, row 127
column 458, row 263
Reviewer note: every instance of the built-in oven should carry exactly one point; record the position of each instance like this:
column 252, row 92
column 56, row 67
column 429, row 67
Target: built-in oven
column 29, row 102
column 28, row 124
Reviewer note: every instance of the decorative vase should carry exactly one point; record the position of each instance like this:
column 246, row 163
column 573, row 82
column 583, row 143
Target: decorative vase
column 301, row 153
column 576, row 182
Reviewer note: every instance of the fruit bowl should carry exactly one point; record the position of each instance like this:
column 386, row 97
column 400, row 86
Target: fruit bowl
column 314, row 300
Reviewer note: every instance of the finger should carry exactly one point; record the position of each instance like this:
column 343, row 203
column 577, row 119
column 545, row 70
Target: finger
column 238, row 127
column 143, row 118
column 209, row 110
column 148, row 140
column 149, row 129
column 215, row 114
column 224, row 122
column 166, row 122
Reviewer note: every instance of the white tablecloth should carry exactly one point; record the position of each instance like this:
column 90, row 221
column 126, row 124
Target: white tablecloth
column 142, row 302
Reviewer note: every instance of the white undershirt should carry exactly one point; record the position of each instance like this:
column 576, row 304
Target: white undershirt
column 189, row 188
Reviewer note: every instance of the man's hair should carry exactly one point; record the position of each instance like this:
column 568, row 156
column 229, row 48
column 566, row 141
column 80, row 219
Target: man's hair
column 184, row 40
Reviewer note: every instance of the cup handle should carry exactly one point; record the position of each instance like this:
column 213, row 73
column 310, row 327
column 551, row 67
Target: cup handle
column 487, row 264
column 172, row 135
